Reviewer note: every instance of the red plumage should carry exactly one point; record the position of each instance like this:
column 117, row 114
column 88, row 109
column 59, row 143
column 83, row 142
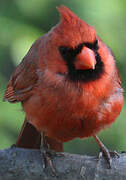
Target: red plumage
column 58, row 99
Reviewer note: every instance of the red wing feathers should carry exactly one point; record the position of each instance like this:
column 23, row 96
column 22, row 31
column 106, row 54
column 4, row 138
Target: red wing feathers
column 24, row 78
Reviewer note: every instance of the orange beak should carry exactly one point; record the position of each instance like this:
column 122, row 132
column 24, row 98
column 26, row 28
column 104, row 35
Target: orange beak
column 86, row 59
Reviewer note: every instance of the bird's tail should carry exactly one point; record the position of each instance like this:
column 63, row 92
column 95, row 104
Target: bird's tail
column 30, row 138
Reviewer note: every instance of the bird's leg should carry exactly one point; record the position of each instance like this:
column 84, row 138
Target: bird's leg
column 106, row 153
column 46, row 153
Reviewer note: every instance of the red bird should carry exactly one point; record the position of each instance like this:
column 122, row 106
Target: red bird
column 68, row 84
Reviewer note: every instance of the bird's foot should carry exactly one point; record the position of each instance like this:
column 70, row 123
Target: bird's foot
column 105, row 152
column 108, row 155
column 13, row 146
column 114, row 154
column 47, row 156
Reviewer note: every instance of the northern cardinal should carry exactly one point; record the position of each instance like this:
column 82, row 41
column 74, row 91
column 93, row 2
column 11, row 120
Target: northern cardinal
column 68, row 84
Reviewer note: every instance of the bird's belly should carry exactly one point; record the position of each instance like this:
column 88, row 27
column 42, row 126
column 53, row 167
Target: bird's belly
column 64, row 119
column 69, row 129
column 63, row 122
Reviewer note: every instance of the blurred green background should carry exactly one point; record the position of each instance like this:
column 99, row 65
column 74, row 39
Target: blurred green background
column 22, row 22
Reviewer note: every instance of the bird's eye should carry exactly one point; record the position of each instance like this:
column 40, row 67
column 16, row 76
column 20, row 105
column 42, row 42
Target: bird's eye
column 66, row 52
column 96, row 45
column 93, row 46
column 63, row 50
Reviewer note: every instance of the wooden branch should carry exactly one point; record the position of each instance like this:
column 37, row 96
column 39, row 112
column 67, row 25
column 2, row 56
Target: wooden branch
column 26, row 164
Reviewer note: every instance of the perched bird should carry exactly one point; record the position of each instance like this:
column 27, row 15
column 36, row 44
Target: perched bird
column 68, row 84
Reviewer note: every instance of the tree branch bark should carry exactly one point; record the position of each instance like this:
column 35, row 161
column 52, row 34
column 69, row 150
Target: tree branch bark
column 26, row 164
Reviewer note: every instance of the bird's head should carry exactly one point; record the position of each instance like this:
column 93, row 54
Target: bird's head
column 74, row 50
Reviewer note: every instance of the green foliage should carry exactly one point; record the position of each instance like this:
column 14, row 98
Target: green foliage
column 22, row 22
